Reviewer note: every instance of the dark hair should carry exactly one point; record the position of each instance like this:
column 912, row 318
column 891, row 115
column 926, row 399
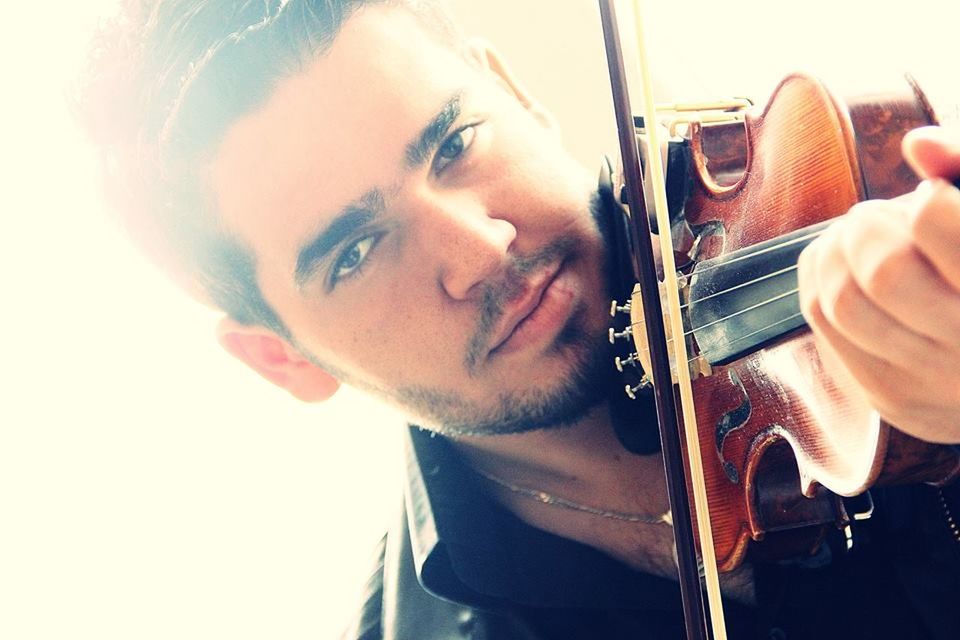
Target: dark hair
column 166, row 81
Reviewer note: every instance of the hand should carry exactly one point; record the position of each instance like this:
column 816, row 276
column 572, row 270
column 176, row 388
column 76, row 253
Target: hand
column 881, row 291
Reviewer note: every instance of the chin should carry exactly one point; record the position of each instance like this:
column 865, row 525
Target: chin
column 573, row 377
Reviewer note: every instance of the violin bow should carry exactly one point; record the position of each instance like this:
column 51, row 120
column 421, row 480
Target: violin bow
column 645, row 266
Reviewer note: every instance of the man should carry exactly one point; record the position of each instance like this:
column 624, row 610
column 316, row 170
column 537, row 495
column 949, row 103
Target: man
column 374, row 201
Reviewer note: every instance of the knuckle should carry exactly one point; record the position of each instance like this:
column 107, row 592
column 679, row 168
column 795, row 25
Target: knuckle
column 882, row 279
column 844, row 306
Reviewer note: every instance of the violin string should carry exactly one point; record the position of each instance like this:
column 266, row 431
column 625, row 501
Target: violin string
column 745, row 336
column 752, row 333
column 739, row 286
column 779, row 296
column 805, row 237
column 813, row 235
column 728, row 290
column 748, row 282
column 752, row 307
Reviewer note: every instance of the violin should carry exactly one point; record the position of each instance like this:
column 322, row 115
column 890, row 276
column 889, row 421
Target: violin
column 773, row 436
column 774, row 421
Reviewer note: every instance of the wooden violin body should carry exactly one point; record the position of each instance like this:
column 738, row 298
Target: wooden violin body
column 778, row 426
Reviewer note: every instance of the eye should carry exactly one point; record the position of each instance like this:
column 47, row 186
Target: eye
column 351, row 260
column 453, row 147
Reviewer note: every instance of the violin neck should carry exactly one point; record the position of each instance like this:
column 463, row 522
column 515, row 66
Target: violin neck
column 741, row 301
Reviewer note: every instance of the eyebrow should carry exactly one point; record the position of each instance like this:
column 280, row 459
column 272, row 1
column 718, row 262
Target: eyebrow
column 431, row 135
column 354, row 216
column 371, row 204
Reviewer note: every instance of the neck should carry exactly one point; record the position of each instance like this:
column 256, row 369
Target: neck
column 583, row 464
column 586, row 464
column 586, row 455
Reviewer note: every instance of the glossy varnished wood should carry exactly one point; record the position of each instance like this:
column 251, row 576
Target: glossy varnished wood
column 809, row 158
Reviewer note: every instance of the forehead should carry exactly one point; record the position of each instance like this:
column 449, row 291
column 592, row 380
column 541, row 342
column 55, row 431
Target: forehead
column 330, row 133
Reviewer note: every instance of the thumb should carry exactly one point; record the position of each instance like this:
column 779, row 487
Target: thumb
column 933, row 152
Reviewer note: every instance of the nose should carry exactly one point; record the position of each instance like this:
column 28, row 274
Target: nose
column 469, row 246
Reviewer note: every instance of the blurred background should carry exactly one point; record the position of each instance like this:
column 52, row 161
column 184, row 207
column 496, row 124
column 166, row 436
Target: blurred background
column 152, row 488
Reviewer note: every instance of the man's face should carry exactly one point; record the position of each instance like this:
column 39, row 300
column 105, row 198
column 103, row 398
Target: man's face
column 419, row 229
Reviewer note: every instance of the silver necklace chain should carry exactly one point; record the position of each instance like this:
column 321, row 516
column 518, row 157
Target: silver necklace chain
column 951, row 521
column 546, row 498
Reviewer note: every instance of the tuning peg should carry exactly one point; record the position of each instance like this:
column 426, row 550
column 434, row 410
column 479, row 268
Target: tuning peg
column 615, row 308
column 626, row 334
column 632, row 391
column 621, row 363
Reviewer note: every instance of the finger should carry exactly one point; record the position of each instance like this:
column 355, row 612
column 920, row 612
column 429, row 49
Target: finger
column 901, row 395
column 875, row 375
column 844, row 306
column 935, row 228
column 866, row 326
column 933, row 152
column 896, row 276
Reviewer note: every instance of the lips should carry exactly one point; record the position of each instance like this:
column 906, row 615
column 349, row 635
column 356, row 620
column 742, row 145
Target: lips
column 523, row 307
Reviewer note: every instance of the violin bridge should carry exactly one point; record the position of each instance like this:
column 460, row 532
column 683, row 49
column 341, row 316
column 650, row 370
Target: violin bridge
column 697, row 366
column 700, row 368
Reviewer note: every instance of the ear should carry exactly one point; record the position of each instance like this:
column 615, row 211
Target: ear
column 489, row 60
column 276, row 360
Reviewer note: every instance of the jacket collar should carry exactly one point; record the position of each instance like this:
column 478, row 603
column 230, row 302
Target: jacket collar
column 468, row 549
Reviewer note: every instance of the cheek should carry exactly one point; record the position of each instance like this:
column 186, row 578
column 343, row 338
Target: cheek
column 396, row 333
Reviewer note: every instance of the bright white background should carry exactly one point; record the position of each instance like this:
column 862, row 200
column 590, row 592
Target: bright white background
column 151, row 488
